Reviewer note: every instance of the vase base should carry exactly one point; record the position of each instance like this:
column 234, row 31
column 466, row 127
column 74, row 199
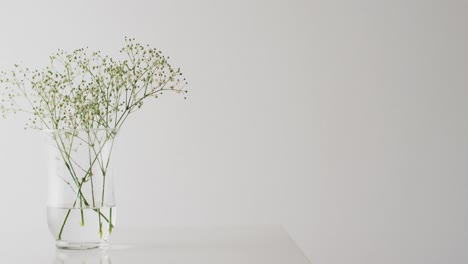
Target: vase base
column 80, row 245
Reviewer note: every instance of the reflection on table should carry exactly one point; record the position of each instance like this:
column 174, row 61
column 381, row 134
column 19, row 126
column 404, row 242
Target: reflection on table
column 94, row 256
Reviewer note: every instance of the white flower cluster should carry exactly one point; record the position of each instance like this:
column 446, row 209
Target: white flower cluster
column 87, row 90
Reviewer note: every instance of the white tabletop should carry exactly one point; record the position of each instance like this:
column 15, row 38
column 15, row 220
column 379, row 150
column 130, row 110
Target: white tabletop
column 239, row 245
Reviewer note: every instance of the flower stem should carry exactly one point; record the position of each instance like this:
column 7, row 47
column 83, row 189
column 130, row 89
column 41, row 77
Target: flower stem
column 100, row 224
column 81, row 211
column 63, row 224
column 111, row 226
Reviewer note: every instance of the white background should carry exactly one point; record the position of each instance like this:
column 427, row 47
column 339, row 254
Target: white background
column 344, row 121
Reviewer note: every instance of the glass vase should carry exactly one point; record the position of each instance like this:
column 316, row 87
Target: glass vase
column 81, row 203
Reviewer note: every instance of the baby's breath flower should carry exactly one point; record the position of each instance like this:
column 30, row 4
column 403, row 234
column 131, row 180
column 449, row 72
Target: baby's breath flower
column 87, row 90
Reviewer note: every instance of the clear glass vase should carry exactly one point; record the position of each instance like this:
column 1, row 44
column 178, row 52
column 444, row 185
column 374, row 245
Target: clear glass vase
column 81, row 203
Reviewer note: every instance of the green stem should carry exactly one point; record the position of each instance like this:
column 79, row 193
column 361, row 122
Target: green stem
column 100, row 224
column 79, row 192
column 63, row 225
column 92, row 178
column 103, row 188
column 80, row 184
column 68, row 213
column 70, row 168
column 100, row 214
column 111, row 226
column 81, row 211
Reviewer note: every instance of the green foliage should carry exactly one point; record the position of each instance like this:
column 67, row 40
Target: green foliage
column 87, row 90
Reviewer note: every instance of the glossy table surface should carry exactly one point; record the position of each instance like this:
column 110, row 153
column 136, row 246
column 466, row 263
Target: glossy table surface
column 220, row 245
